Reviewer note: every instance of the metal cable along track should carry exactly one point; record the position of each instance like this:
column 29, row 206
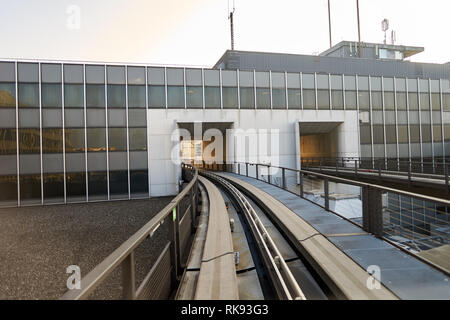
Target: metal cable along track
column 286, row 287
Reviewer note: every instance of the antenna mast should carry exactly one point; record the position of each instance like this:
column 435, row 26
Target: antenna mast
column 230, row 17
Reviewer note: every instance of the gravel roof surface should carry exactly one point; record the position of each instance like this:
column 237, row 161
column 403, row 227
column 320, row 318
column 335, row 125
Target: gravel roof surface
column 39, row 243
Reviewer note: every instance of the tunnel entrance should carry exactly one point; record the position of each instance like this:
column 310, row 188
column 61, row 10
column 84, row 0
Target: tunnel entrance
column 204, row 143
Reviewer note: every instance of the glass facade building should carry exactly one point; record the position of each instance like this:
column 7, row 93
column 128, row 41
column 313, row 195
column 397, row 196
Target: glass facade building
column 72, row 132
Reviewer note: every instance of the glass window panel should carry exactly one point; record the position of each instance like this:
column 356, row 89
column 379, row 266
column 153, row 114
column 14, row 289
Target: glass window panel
column 294, row 98
column 9, row 164
column 412, row 85
column 28, row 95
column 336, row 82
column 137, row 118
column 424, row 85
column 95, row 74
column 74, row 140
column 245, row 79
column 73, row 96
column 388, row 84
column 194, row 97
column 413, row 101
column 76, row 186
column 28, row 72
column 350, row 100
column 139, row 182
column 97, row 185
column 402, row 134
column 389, row 117
column 436, row 101
column 30, row 163
column 363, row 83
column 175, row 77
column 446, row 101
column 136, row 75
column 363, row 100
column 7, row 72
column 229, row 78
column 155, row 76
column 401, row 101
column 7, row 118
column 117, row 118
column 51, row 118
column 156, row 97
column 212, row 97
column 323, row 98
column 337, row 100
column 51, row 73
column 391, row 135
column 7, row 95
column 118, row 161
column 308, row 81
column 75, row 162
column 424, row 101
column 138, row 139
column 262, row 79
column 212, row 78
column 279, row 98
column 400, row 85
column 365, row 133
column 377, row 103
column 350, row 82
column 53, row 187
column 29, row 141
column 7, row 141
column 375, row 83
column 116, row 96
column 437, row 133
column 51, row 95
column 116, row 74
column 95, row 96
column 230, row 97
column 96, row 139
column 117, row 139
column 322, row 81
column 309, row 99
column 414, row 133
column 247, row 98
column 96, row 118
column 389, row 101
column 136, row 96
column 378, row 133
column 29, row 118
column 293, row 80
column 73, row 73
column 138, row 160
column 434, row 85
column 175, row 96
column 426, row 133
column 278, row 80
column 263, row 98
column 96, row 161
column 8, row 190
column 118, row 184
column 30, row 188
column 194, row 77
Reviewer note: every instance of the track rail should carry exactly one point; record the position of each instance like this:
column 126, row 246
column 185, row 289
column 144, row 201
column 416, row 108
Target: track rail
column 285, row 284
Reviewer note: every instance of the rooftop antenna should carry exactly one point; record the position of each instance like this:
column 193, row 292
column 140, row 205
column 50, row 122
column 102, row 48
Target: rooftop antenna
column 385, row 27
column 329, row 22
column 230, row 17
column 393, row 37
column 359, row 29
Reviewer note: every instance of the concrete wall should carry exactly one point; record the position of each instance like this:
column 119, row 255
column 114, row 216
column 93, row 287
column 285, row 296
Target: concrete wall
column 164, row 140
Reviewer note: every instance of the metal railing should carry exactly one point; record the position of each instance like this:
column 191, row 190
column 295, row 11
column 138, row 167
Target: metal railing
column 180, row 217
column 409, row 220
column 432, row 168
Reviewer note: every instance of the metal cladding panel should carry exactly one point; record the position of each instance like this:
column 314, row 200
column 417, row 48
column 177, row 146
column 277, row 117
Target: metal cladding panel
column 261, row 61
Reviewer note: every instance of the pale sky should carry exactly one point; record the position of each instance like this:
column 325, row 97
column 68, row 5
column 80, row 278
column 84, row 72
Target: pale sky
column 197, row 32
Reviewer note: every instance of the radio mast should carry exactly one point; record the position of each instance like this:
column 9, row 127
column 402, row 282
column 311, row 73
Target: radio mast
column 230, row 17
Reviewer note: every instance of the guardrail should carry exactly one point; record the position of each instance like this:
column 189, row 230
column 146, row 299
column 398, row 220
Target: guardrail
column 409, row 220
column 166, row 271
column 434, row 169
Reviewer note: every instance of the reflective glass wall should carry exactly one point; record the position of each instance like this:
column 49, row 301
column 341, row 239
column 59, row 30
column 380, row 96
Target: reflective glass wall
column 78, row 132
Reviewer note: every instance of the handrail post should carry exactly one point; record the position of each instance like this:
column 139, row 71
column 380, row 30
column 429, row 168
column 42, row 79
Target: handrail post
column 301, row 184
column 283, row 174
column 192, row 196
column 379, row 168
column 268, row 173
column 246, row 169
column 257, row 172
column 175, row 243
column 372, row 211
column 446, row 178
column 129, row 278
column 409, row 173
column 326, row 194
column 356, row 167
column 239, row 168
